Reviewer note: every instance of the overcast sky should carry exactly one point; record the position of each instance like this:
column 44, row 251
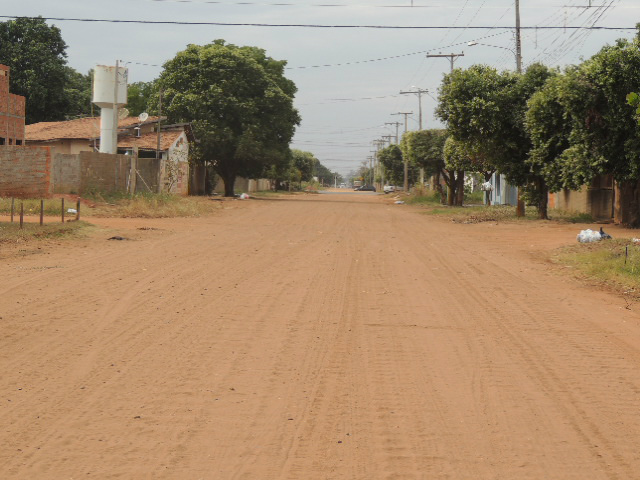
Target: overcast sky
column 349, row 79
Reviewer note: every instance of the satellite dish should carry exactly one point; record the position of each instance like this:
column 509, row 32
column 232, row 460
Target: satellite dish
column 143, row 117
column 123, row 113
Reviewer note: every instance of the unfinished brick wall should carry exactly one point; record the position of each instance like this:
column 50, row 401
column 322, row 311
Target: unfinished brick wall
column 12, row 112
column 25, row 172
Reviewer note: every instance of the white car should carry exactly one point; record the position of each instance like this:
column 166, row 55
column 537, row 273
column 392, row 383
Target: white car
column 389, row 189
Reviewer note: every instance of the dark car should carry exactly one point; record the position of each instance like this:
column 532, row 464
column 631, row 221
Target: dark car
column 367, row 188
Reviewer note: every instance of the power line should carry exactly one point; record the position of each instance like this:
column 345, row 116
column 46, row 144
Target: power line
column 303, row 25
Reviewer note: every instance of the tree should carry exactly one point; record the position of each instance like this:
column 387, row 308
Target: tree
column 239, row 103
column 139, row 96
column 424, row 149
column 582, row 126
column 485, row 109
column 78, row 94
column 393, row 163
column 304, row 162
column 36, row 54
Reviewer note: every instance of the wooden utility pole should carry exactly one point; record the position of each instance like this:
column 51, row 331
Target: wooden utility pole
column 405, row 183
column 397, row 124
column 520, row 209
column 451, row 56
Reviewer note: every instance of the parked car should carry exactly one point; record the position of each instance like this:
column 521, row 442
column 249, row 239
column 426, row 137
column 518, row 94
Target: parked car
column 367, row 188
column 389, row 188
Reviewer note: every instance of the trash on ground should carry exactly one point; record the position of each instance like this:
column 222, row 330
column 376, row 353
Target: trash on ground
column 604, row 235
column 117, row 238
column 243, row 196
column 72, row 210
column 588, row 236
column 399, row 202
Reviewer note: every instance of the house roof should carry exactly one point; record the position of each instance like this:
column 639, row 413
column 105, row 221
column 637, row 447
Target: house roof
column 149, row 141
column 82, row 128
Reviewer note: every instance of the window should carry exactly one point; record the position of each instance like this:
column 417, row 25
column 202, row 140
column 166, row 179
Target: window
column 2, row 141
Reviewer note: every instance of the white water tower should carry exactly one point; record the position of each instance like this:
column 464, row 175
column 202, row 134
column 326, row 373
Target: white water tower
column 109, row 92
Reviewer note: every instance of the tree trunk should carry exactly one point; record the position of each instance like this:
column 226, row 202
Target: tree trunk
column 436, row 183
column 627, row 203
column 229, row 183
column 451, row 190
column 520, row 209
column 460, row 188
column 543, row 198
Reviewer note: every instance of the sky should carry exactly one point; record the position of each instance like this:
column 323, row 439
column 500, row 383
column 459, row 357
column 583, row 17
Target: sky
column 349, row 79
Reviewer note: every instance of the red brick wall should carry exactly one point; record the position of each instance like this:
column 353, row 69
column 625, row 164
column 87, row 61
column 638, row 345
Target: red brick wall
column 12, row 111
column 25, row 172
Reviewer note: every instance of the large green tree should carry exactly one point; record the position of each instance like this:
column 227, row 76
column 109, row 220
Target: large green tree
column 139, row 97
column 239, row 103
column 485, row 109
column 392, row 160
column 425, row 149
column 36, row 54
column 582, row 126
column 78, row 94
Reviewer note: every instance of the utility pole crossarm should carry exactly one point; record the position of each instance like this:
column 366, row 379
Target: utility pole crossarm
column 451, row 56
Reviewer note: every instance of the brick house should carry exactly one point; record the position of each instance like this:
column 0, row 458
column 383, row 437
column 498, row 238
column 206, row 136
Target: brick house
column 134, row 137
column 12, row 112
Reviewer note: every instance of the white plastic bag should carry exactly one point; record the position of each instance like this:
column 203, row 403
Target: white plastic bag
column 588, row 236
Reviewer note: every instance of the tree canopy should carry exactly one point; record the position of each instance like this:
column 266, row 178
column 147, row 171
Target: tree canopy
column 239, row 103
column 36, row 54
column 392, row 160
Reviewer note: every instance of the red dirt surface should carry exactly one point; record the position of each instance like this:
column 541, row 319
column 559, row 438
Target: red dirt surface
column 314, row 337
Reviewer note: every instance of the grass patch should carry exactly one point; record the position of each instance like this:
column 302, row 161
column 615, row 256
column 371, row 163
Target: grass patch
column 11, row 232
column 494, row 213
column 606, row 262
column 147, row 205
column 52, row 207
column 423, row 199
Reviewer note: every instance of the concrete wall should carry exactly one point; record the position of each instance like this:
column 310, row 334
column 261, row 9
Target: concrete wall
column 66, row 173
column 25, row 172
column 595, row 199
column 245, row 185
column 102, row 172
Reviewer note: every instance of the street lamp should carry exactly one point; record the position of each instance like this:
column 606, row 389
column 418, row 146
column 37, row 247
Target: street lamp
column 473, row 43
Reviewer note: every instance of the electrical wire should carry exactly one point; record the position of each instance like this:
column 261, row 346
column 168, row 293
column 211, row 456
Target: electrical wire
column 298, row 25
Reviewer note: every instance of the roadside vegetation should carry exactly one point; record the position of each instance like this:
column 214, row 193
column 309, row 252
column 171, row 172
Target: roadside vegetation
column 12, row 233
column 139, row 205
column 613, row 263
column 147, row 205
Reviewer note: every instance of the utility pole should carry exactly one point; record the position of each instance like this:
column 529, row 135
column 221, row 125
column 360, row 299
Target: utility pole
column 520, row 210
column 397, row 124
column 419, row 92
column 451, row 56
column 518, row 39
column 406, row 163
column 387, row 138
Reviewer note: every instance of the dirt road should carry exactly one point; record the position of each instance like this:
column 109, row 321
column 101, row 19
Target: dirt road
column 315, row 337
